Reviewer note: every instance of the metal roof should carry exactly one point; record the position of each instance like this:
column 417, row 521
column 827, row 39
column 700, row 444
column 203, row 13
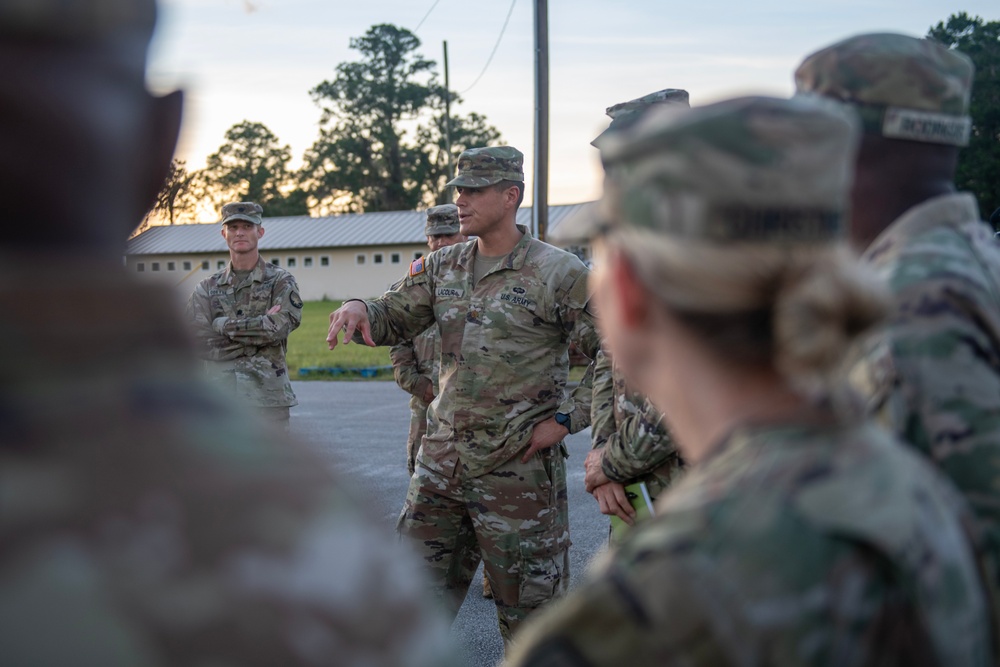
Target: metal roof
column 353, row 229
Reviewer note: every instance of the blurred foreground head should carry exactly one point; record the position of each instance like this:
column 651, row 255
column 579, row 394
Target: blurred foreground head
column 86, row 146
column 730, row 220
column 912, row 97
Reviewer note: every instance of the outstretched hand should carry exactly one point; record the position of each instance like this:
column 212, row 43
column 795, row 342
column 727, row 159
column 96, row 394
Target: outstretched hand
column 351, row 316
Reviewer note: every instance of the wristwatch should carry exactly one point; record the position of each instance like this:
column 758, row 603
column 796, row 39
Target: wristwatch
column 562, row 419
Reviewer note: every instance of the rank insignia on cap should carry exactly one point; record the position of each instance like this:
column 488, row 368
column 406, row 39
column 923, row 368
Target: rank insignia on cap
column 417, row 266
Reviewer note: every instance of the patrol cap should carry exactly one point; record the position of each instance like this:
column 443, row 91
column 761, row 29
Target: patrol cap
column 626, row 114
column 902, row 87
column 748, row 170
column 480, row 167
column 244, row 210
column 126, row 23
column 442, row 220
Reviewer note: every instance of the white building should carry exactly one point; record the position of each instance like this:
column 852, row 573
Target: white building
column 336, row 257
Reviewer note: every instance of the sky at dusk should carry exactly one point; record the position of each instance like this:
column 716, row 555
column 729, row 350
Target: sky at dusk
column 257, row 60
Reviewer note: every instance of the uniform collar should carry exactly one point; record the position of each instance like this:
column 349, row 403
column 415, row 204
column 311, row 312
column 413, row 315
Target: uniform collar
column 256, row 273
column 514, row 260
column 951, row 210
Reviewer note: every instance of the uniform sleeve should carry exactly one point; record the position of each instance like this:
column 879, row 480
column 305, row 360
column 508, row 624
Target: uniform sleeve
column 640, row 444
column 404, row 311
column 942, row 393
column 267, row 329
column 578, row 322
column 405, row 370
column 602, row 416
column 647, row 615
column 210, row 344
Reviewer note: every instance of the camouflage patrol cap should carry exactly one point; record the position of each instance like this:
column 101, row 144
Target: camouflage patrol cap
column 479, row 167
column 244, row 210
column 748, row 170
column 902, row 87
column 625, row 114
column 442, row 220
column 128, row 23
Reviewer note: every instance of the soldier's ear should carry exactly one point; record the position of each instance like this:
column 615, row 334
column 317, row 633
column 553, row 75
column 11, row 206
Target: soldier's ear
column 260, row 231
column 632, row 296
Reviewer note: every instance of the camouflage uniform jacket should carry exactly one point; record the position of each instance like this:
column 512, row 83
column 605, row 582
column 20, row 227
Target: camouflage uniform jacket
column 504, row 347
column 148, row 520
column 815, row 544
column 416, row 366
column 244, row 345
column 637, row 446
column 932, row 374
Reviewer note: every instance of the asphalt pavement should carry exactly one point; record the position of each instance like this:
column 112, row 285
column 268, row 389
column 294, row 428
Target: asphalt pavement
column 361, row 427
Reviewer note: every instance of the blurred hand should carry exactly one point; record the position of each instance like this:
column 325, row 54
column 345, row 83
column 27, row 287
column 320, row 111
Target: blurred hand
column 612, row 500
column 594, row 470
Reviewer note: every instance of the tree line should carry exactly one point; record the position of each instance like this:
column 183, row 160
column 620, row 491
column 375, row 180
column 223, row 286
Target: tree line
column 382, row 145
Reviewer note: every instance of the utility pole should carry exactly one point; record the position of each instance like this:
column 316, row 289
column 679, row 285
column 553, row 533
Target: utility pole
column 540, row 207
column 447, row 111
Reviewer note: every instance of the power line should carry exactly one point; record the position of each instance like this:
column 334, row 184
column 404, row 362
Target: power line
column 495, row 47
column 426, row 15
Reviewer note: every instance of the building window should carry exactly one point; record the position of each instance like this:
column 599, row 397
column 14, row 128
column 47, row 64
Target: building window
column 290, row 262
column 324, row 261
column 187, row 266
column 171, row 266
column 221, row 264
column 394, row 258
column 140, row 267
column 275, row 261
column 377, row 258
column 307, row 261
column 359, row 259
column 205, row 265
column 418, row 254
column 156, row 266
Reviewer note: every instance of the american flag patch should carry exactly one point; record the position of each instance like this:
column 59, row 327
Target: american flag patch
column 417, row 266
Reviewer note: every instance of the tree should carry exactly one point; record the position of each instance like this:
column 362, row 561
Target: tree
column 252, row 165
column 979, row 165
column 381, row 128
column 466, row 132
column 177, row 201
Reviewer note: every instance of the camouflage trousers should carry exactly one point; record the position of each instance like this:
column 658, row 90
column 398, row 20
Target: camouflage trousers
column 418, row 426
column 515, row 518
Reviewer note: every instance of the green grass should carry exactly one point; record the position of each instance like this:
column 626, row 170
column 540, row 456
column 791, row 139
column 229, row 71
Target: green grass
column 307, row 347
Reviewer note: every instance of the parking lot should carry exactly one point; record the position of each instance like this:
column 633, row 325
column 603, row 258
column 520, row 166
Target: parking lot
column 361, row 427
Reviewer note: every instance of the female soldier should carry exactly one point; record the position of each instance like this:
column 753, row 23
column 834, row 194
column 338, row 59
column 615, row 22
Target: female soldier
column 801, row 534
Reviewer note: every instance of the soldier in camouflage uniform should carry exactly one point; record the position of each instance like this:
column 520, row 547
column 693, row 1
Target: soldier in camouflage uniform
column 932, row 374
column 145, row 519
column 630, row 444
column 800, row 534
column 490, row 478
column 630, row 441
column 242, row 316
column 415, row 362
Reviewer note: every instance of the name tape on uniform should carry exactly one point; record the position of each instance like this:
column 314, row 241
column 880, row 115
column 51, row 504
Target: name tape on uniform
column 937, row 128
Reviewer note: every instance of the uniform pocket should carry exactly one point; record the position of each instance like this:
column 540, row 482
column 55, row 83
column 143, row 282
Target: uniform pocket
column 542, row 573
